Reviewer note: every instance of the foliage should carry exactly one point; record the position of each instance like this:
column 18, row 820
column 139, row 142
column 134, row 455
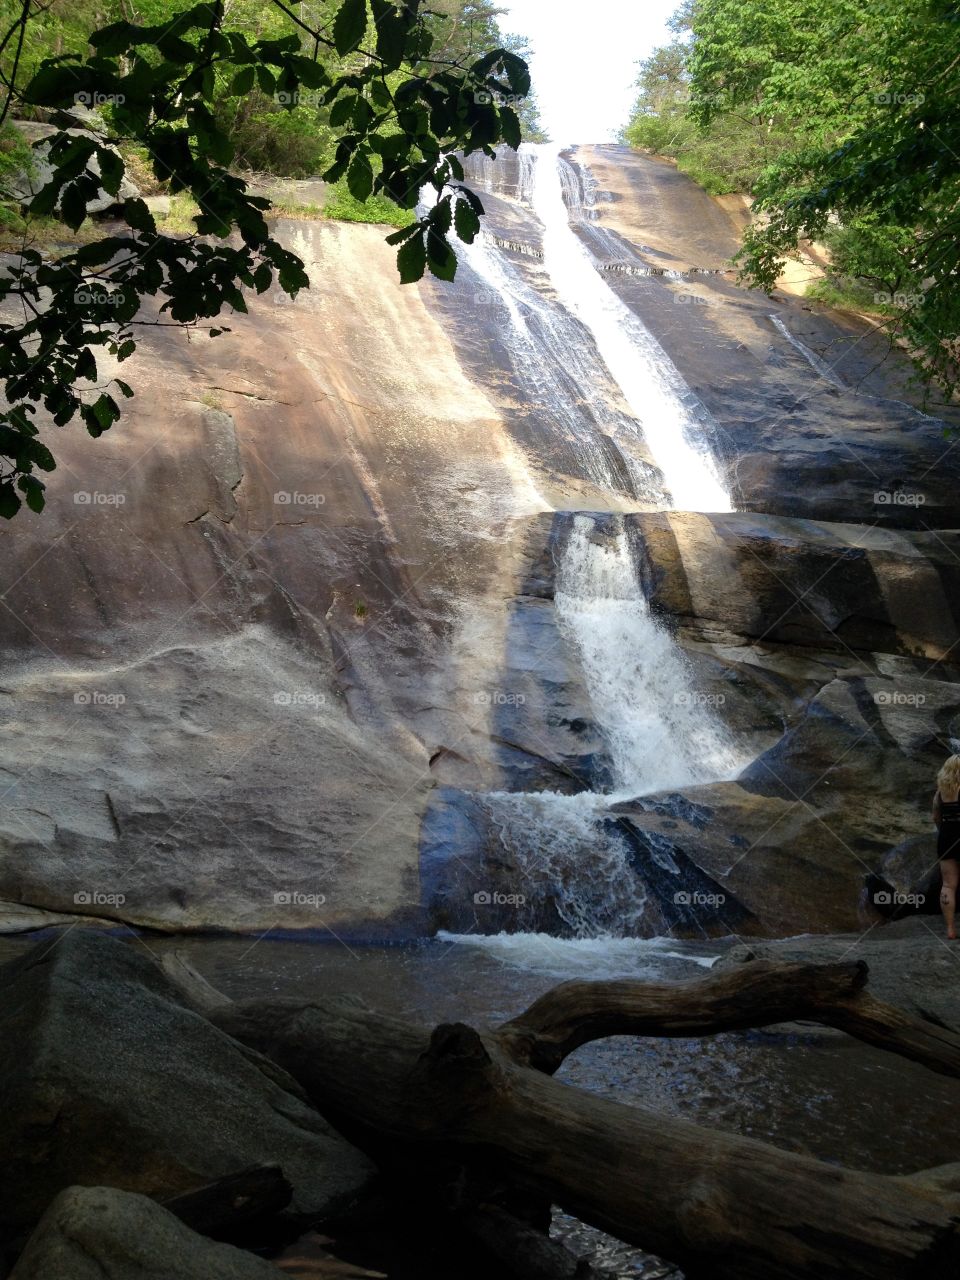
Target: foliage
column 400, row 115
column 343, row 205
column 841, row 118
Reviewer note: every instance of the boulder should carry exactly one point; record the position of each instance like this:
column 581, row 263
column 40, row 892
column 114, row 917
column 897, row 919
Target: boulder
column 92, row 1232
column 109, row 1076
column 23, row 186
column 837, row 812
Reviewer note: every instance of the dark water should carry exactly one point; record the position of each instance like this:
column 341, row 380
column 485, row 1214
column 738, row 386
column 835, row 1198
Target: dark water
column 803, row 1088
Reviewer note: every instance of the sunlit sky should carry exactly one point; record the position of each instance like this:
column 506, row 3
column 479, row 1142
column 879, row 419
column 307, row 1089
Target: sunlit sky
column 584, row 60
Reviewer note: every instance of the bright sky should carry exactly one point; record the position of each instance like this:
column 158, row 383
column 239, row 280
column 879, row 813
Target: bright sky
column 584, row 59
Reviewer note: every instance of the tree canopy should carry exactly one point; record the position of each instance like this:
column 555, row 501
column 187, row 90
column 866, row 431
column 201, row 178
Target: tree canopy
column 401, row 99
column 841, row 119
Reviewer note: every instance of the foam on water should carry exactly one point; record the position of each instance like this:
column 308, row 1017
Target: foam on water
column 599, row 957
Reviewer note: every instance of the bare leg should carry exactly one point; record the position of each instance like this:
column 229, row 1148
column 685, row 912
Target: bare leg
column 950, row 871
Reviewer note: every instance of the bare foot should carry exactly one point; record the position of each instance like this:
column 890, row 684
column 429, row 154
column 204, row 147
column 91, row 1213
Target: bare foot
column 952, row 936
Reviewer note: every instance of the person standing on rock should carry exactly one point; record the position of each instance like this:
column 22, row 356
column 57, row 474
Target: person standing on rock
column 946, row 814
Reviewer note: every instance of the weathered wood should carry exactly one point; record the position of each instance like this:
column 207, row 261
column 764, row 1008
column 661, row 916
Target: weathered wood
column 227, row 1209
column 757, row 994
column 720, row 1205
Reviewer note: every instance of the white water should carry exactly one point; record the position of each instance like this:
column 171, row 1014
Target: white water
column 661, row 730
column 671, row 419
column 554, row 363
column 567, row 857
column 595, row 958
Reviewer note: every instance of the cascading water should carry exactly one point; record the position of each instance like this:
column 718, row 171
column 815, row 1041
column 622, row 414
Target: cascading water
column 552, row 360
column 660, row 731
column 567, row 853
column 671, row 418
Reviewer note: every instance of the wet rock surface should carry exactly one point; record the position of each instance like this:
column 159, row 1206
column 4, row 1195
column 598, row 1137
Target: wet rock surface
column 310, row 580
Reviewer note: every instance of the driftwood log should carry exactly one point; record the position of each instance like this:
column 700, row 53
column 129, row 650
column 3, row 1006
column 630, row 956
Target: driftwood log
column 453, row 1106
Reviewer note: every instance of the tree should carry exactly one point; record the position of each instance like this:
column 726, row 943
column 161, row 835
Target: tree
column 840, row 119
column 870, row 91
column 402, row 114
column 470, row 1130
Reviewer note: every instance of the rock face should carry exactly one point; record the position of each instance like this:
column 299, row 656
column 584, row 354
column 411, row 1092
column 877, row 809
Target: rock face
column 310, row 579
column 108, row 1077
column 92, row 1232
column 25, row 185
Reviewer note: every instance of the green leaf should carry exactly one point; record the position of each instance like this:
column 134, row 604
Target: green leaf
column 398, row 237
column 466, row 221
column 391, row 34
column 73, row 205
column 86, row 365
column 125, row 389
column 262, row 278
column 360, row 177
column 342, row 109
column 441, row 216
column 510, row 127
column 518, row 73
column 349, row 25
column 9, row 501
column 412, row 260
column 243, row 82
column 441, row 259
column 137, row 215
column 33, row 489
column 111, row 168
column 113, row 39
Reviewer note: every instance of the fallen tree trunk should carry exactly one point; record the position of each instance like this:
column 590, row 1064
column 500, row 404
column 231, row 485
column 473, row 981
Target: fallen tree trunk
column 721, row 1206
column 758, row 994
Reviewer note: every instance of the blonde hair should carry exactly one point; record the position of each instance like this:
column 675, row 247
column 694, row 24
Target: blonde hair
column 948, row 779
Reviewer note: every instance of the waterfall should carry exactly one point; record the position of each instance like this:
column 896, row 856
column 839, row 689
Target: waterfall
column 661, row 733
column 570, row 858
column 671, row 417
column 660, row 730
column 551, row 359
